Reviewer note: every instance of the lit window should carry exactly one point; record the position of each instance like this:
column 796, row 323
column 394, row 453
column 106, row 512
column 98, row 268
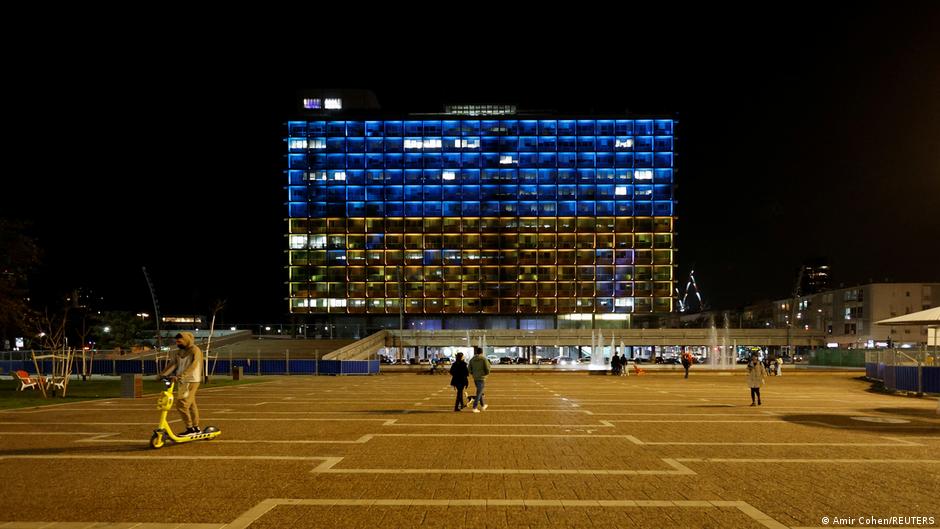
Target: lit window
column 506, row 160
column 643, row 174
column 449, row 175
column 339, row 175
column 298, row 241
column 317, row 175
column 623, row 144
column 298, row 143
column 620, row 190
column 623, row 302
column 313, row 104
column 334, row 302
column 467, row 144
column 318, row 241
column 432, row 144
column 319, row 143
column 333, row 103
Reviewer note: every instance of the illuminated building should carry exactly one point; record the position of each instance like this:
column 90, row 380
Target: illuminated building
column 483, row 212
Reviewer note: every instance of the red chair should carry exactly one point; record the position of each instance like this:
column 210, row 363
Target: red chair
column 25, row 380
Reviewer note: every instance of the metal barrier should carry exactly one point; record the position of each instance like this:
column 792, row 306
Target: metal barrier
column 904, row 369
column 838, row 357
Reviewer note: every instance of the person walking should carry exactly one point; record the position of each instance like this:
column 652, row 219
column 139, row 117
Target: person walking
column 755, row 378
column 479, row 368
column 459, row 378
column 686, row 362
column 615, row 364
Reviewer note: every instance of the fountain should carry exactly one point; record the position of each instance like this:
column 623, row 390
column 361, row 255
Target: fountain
column 597, row 352
column 718, row 355
column 725, row 356
column 712, row 342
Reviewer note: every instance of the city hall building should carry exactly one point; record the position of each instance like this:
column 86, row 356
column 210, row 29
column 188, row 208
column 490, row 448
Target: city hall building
column 478, row 216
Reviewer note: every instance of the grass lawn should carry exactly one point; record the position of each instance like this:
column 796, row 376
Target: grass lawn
column 96, row 388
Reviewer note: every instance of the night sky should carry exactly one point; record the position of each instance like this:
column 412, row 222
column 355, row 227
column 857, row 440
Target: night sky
column 799, row 137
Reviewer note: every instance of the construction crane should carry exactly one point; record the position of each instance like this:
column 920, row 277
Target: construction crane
column 683, row 304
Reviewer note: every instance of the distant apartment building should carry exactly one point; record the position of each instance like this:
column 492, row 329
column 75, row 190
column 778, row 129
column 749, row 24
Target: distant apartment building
column 848, row 315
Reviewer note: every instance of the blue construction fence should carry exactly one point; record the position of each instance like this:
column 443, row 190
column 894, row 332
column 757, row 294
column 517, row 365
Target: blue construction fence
column 914, row 372
column 220, row 367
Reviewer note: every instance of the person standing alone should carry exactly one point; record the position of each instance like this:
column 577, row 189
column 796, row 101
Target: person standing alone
column 755, row 378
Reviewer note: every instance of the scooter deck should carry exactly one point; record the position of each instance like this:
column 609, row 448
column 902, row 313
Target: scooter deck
column 198, row 437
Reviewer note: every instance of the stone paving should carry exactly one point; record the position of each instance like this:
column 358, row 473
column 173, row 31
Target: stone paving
column 552, row 450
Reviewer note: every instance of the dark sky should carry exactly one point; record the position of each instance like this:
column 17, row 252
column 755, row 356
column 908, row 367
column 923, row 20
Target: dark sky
column 799, row 136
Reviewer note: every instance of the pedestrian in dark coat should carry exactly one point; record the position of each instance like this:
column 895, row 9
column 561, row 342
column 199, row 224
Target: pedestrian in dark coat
column 686, row 362
column 459, row 378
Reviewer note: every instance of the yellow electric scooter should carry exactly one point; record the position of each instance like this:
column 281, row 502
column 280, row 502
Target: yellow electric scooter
column 164, row 433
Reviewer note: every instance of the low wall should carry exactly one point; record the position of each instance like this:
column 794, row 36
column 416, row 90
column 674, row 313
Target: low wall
column 221, row 367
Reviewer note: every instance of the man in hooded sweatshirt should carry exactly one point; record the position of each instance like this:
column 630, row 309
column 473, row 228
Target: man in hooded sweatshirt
column 188, row 369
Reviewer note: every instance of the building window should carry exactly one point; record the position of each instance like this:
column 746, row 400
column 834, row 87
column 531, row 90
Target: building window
column 850, row 328
column 333, row 103
column 313, row 103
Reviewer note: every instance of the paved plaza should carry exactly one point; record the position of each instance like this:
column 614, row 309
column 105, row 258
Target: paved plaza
column 552, row 450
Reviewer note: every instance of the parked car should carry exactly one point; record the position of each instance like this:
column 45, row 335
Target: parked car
column 505, row 360
column 545, row 360
column 564, row 361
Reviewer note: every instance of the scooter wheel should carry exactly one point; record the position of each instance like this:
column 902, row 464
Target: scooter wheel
column 156, row 440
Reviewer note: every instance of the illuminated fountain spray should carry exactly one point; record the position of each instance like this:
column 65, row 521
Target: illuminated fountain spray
column 725, row 356
column 712, row 342
column 597, row 351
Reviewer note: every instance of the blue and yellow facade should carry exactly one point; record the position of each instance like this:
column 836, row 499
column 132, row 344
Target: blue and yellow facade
column 456, row 215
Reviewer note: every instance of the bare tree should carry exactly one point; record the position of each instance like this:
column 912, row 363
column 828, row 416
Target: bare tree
column 51, row 329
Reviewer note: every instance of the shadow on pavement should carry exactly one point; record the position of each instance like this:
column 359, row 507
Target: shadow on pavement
column 91, row 449
column 846, row 422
